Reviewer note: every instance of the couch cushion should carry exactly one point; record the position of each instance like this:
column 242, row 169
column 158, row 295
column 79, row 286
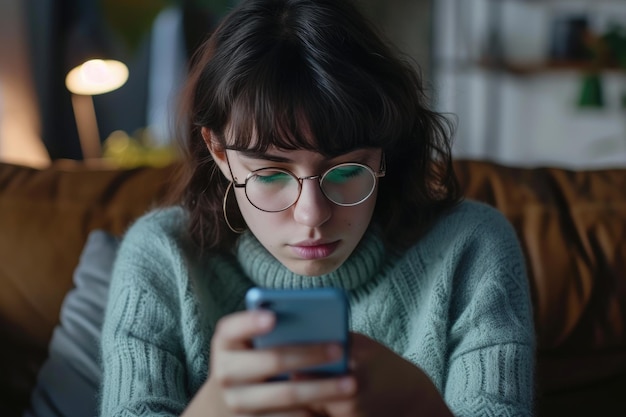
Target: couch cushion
column 572, row 226
column 45, row 217
column 68, row 381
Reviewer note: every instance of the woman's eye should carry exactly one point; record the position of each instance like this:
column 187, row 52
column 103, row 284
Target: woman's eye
column 271, row 177
column 342, row 174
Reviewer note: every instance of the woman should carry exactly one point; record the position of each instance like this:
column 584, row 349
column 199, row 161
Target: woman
column 312, row 160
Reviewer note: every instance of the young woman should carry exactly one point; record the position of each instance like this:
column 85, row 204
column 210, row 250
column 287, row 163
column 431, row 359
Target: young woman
column 312, row 160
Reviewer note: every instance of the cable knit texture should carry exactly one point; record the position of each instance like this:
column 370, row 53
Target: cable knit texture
column 456, row 304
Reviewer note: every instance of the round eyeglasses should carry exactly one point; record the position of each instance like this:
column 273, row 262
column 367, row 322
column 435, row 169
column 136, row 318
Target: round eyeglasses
column 277, row 189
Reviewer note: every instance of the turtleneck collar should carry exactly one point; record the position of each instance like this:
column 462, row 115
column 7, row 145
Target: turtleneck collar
column 266, row 271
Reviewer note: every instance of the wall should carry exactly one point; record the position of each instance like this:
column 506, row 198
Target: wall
column 20, row 140
column 407, row 24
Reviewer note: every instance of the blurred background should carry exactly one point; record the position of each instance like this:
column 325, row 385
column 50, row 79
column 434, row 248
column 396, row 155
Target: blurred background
column 528, row 82
column 532, row 83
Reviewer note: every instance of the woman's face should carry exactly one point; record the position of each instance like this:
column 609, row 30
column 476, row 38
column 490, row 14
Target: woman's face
column 314, row 236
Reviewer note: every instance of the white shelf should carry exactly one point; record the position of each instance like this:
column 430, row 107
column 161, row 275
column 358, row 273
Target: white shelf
column 525, row 112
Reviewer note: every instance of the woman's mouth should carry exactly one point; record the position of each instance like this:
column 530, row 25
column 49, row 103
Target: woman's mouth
column 314, row 250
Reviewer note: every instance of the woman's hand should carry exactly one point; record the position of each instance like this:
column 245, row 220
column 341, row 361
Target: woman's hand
column 387, row 385
column 237, row 384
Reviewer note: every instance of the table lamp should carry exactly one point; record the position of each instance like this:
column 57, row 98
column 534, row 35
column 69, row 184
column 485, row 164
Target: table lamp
column 93, row 72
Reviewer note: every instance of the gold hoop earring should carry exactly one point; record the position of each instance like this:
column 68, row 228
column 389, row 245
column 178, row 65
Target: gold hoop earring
column 238, row 231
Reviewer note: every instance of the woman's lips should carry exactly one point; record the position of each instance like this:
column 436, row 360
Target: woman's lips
column 313, row 250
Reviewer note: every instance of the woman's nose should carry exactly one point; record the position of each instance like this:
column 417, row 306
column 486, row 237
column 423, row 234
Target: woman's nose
column 312, row 208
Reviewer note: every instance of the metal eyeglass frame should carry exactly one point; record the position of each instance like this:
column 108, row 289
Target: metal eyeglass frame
column 377, row 174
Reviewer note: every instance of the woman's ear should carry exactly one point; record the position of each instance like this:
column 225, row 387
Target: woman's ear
column 217, row 150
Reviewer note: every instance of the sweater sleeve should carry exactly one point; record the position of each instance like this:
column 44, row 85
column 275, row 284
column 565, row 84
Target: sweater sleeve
column 142, row 360
column 491, row 356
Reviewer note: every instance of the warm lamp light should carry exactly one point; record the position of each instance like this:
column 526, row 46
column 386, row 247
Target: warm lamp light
column 92, row 69
column 92, row 77
column 96, row 76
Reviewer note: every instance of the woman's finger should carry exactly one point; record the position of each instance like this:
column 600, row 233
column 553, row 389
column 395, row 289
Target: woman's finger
column 246, row 366
column 282, row 396
column 236, row 330
column 294, row 413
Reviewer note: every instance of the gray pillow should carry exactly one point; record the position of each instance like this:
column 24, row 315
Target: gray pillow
column 69, row 380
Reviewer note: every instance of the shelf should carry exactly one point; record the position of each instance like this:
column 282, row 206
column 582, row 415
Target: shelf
column 532, row 68
column 527, row 68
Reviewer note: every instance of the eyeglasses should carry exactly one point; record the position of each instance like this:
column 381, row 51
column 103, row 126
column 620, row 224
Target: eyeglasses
column 277, row 189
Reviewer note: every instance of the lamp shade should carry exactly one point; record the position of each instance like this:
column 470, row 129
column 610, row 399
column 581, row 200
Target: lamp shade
column 96, row 76
column 92, row 63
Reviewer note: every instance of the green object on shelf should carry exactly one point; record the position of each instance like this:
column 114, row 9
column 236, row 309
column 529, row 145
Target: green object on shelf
column 615, row 39
column 591, row 94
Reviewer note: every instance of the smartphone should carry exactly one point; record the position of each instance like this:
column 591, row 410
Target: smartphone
column 318, row 315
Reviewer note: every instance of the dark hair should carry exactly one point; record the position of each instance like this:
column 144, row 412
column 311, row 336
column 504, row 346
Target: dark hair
column 272, row 64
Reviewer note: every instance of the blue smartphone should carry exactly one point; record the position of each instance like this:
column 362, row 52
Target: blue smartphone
column 318, row 315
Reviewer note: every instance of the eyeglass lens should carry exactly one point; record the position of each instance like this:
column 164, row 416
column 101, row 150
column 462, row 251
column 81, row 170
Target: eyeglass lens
column 273, row 189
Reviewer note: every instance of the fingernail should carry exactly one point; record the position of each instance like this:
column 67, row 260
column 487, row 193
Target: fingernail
column 347, row 384
column 334, row 351
column 264, row 320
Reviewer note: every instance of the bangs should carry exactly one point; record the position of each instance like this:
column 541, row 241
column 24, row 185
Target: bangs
column 289, row 102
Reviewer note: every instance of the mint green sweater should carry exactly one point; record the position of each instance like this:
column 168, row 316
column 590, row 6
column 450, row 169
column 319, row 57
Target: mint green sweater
column 456, row 304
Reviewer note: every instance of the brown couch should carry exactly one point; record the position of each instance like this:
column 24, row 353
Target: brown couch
column 572, row 226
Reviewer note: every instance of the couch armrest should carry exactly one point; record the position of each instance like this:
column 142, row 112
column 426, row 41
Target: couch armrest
column 45, row 218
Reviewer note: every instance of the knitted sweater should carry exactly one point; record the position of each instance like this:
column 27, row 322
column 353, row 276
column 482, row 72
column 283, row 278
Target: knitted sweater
column 456, row 304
